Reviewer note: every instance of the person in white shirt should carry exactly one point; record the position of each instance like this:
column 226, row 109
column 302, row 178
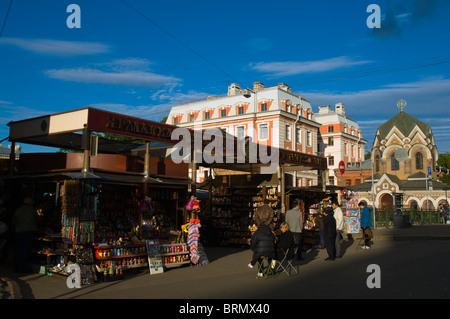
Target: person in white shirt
column 339, row 216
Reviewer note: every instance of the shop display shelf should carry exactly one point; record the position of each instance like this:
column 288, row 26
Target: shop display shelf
column 121, row 256
column 178, row 264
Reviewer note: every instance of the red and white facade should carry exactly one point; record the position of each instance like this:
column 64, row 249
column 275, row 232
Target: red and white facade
column 341, row 140
column 273, row 116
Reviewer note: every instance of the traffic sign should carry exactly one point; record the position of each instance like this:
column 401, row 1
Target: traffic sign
column 429, row 170
column 342, row 167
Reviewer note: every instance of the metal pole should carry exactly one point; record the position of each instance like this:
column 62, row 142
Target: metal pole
column 426, row 184
column 373, row 199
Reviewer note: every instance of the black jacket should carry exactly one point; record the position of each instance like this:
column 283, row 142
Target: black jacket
column 262, row 242
column 286, row 241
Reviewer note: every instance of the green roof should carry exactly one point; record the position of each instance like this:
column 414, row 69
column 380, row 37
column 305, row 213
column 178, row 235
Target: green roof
column 405, row 123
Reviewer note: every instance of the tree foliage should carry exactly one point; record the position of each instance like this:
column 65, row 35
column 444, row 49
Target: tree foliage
column 444, row 162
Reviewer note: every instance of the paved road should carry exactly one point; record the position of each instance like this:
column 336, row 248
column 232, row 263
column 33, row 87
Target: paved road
column 411, row 268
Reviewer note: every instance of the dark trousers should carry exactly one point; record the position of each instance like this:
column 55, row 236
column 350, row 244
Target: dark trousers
column 322, row 238
column 330, row 245
column 298, row 238
column 22, row 250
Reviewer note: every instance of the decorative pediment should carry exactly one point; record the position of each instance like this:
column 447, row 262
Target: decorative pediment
column 386, row 184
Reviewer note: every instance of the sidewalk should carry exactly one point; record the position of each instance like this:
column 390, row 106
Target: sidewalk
column 10, row 283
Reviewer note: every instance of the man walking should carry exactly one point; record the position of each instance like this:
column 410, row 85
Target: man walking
column 294, row 218
column 339, row 217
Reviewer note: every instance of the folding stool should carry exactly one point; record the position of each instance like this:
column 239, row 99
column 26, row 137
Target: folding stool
column 286, row 263
column 266, row 271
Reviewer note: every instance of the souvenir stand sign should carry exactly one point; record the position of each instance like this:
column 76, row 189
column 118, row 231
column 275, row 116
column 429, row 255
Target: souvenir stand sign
column 351, row 212
column 155, row 263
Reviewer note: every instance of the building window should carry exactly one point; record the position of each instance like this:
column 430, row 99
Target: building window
column 264, row 131
column 240, row 110
column 288, row 132
column 263, row 107
column 240, row 132
column 206, row 116
column 419, row 161
column 223, row 113
column 330, row 141
column 331, row 161
column 331, row 180
column 377, row 163
column 395, row 166
column 330, row 129
column 191, row 117
column 308, row 138
column 299, row 134
column 175, row 120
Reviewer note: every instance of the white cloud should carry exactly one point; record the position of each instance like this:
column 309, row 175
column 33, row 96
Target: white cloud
column 152, row 112
column 57, row 47
column 279, row 69
column 427, row 100
column 124, row 78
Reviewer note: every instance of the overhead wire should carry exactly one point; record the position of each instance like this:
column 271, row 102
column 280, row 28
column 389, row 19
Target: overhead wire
column 378, row 70
column 174, row 37
column 6, row 18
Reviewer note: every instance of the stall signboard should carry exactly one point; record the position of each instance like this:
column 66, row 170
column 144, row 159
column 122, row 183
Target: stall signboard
column 155, row 263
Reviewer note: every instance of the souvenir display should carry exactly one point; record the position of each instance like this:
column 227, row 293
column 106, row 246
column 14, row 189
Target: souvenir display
column 351, row 212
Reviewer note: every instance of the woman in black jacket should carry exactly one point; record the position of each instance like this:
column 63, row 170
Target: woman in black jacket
column 262, row 244
column 286, row 241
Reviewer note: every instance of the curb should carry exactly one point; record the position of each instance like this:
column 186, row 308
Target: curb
column 410, row 237
column 13, row 288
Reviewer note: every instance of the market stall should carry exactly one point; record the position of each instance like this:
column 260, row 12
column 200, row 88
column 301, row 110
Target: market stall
column 108, row 200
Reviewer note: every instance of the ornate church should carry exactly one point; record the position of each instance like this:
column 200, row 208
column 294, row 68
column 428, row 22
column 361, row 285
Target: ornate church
column 404, row 156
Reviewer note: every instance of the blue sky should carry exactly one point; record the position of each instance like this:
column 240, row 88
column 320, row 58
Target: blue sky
column 141, row 57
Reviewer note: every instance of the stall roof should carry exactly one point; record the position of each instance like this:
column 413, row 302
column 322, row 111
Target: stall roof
column 64, row 130
column 105, row 177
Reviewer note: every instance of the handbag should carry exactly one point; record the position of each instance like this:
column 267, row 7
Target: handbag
column 368, row 232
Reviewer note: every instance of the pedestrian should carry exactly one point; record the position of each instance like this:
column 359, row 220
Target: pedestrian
column 294, row 217
column 3, row 229
column 366, row 224
column 25, row 226
column 286, row 241
column 262, row 244
column 264, row 215
column 329, row 230
column 339, row 217
column 319, row 224
column 443, row 209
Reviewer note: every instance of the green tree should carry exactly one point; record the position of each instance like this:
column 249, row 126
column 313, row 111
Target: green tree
column 444, row 162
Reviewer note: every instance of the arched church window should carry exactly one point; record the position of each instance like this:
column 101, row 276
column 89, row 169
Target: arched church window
column 395, row 166
column 419, row 161
column 377, row 163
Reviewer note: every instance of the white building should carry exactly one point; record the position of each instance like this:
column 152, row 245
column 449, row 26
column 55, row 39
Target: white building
column 341, row 139
column 273, row 116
